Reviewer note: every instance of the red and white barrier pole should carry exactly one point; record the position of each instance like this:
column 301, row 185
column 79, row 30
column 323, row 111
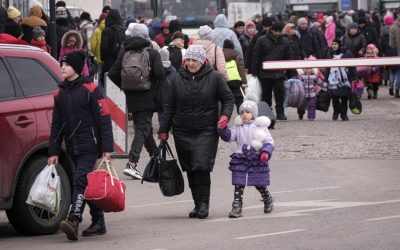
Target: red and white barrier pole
column 116, row 102
column 328, row 63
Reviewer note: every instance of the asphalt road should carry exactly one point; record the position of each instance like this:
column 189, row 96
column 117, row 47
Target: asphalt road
column 335, row 184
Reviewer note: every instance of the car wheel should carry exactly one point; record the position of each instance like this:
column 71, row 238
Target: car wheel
column 28, row 219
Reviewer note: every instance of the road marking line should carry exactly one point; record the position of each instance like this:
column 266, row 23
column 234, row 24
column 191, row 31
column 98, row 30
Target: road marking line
column 307, row 189
column 384, row 218
column 161, row 203
column 271, row 234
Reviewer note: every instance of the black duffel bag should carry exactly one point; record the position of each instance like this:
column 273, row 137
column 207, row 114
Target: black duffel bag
column 170, row 178
column 323, row 100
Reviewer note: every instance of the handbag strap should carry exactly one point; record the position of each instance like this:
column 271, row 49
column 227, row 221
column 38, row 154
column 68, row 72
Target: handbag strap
column 110, row 169
column 166, row 149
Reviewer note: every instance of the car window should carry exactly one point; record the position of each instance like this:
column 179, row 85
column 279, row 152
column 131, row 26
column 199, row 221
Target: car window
column 32, row 76
column 6, row 84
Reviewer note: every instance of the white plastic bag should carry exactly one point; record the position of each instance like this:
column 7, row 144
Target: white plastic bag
column 45, row 192
column 253, row 86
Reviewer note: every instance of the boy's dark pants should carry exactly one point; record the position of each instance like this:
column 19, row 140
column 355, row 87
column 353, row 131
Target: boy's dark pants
column 143, row 135
column 273, row 85
column 83, row 165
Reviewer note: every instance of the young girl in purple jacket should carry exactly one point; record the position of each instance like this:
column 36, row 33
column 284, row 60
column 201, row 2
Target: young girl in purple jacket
column 249, row 163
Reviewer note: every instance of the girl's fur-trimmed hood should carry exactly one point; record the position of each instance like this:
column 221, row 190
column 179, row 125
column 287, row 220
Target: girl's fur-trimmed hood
column 77, row 34
column 259, row 135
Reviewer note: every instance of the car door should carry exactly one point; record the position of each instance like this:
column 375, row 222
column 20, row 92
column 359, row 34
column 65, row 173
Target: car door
column 17, row 129
column 37, row 84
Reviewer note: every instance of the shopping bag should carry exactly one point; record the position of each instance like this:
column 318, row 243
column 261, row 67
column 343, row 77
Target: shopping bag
column 45, row 192
column 253, row 86
column 105, row 189
column 171, row 179
column 150, row 173
column 323, row 100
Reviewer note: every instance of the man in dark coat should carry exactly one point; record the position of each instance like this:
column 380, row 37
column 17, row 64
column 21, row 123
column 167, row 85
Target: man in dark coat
column 308, row 38
column 141, row 104
column 193, row 113
column 271, row 47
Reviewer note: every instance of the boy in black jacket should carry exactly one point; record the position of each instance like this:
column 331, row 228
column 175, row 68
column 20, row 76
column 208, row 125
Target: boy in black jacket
column 82, row 119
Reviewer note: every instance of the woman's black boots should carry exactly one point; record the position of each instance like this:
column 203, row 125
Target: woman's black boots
column 97, row 227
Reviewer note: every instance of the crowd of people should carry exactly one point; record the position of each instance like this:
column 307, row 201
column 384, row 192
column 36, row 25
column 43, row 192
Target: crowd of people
column 199, row 82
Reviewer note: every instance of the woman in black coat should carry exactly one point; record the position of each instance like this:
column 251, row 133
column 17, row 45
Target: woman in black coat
column 193, row 113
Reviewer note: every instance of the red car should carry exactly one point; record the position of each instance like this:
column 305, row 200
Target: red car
column 28, row 78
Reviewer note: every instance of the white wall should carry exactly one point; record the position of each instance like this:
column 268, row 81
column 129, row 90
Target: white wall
column 94, row 7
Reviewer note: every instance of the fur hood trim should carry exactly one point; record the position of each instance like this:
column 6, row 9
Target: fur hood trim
column 263, row 121
column 77, row 34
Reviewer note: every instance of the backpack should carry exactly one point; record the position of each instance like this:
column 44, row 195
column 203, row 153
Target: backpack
column 294, row 93
column 135, row 72
column 232, row 70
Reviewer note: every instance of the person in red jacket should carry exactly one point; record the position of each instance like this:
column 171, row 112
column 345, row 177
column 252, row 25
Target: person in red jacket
column 160, row 38
column 9, row 39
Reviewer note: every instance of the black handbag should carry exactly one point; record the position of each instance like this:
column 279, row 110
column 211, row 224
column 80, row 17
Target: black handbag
column 171, row 179
column 323, row 100
column 150, row 173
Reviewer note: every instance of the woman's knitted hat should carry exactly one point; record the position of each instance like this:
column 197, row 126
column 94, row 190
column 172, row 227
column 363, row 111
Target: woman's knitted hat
column 228, row 44
column 12, row 12
column 137, row 30
column 196, row 52
column 205, row 32
column 388, row 20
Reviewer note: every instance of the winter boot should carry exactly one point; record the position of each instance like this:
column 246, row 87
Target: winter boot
column 344, row 117
column 195, row 212
column 236, row 210
column 391, row 92
column 98, row 227
column 268, row 204
column 396, row 94
column 369, row 93
column 203, row 210
column 335, row 116
column 70, row 227
column 375, row 95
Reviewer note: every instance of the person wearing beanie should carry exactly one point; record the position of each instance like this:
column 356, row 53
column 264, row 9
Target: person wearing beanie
column 193, row 113
column 266, row 24
column 214, row 53
column 374, row 78
column 296, row 50
column 271, row 47
column 253, row 152
column 141, row 104
column 13, row 23
column 63, row 24
column 339, row 80
column 354, row 41
column 330, row 30
column 13, row 13
column 9, row 39
column 72, row 41
column 84, row 124
column 236, row 72
column 249, row 32
column 39, row 39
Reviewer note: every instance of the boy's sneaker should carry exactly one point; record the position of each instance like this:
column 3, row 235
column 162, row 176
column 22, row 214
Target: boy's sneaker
column 132, row 171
